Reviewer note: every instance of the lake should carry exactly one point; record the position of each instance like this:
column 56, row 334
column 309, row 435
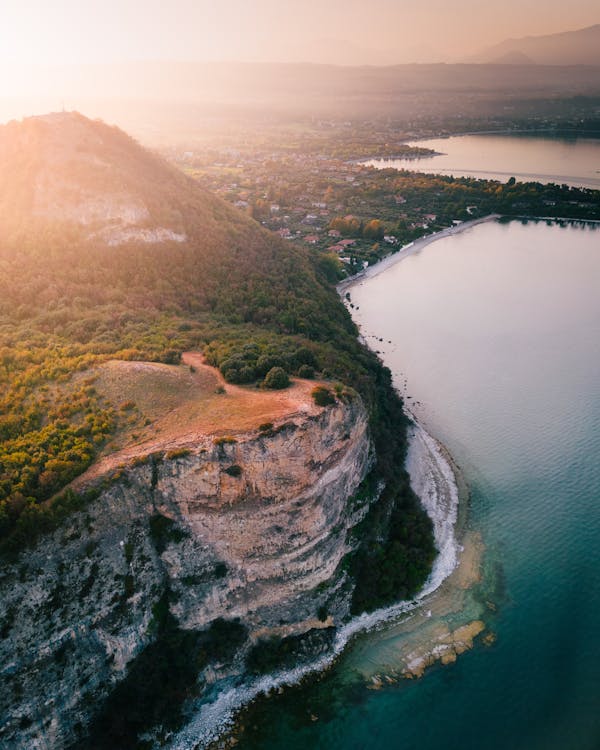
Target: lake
column 493, row 336
column 573, row 161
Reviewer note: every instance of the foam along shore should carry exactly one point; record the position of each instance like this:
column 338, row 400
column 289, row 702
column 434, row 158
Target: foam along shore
column 448, row 615
column 433, row 478
column 434, row 481
column 410, row 249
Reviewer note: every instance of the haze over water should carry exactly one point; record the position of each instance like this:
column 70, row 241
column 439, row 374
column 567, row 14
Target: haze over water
column 534, row 158
column 497, row 333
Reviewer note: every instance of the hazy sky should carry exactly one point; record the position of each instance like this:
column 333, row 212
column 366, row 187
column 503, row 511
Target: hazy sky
column 376, row 31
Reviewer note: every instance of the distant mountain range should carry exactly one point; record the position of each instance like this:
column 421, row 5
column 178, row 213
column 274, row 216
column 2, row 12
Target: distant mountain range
column 161, row 102
column 581, row 47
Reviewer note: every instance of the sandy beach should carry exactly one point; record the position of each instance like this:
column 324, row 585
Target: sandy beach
column 446, row 618
column 410, row 249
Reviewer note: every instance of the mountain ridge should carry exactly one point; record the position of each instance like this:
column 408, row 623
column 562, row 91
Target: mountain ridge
column 578, row 47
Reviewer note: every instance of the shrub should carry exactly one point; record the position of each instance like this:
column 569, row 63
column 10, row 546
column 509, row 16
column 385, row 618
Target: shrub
column 306, row 371
column 246, row 374
column 267, row 362
column 234, row 470
column 323, row 396
column 220, row 570
column 276, row 379
column 177, row 453
column 226, row 440
column 170, row 357
column 269, row 654
column 163, row 531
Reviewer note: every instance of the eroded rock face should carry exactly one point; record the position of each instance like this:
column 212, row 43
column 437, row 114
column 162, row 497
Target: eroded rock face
column 260, row 527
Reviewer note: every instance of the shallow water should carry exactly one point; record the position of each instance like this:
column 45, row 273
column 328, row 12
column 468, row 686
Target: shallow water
column 573, row 161
column 496, row 338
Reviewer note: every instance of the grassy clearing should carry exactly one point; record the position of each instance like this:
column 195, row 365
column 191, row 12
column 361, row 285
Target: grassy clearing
column 158, row 402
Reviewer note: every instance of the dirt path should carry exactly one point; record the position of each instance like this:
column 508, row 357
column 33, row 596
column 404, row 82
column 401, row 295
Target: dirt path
column 209, row 407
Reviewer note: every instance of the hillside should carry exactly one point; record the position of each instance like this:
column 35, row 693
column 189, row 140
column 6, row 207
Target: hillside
column 179, row 510
column 581, row 47
column 71, row 295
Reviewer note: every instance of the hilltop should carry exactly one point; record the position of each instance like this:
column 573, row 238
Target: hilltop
column 86, row 190
column 63, row 168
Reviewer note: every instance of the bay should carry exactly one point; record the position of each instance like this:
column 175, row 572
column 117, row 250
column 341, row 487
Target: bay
column 494, row 334
column 538, row 158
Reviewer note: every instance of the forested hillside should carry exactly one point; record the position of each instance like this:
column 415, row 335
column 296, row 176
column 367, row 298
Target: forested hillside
column 70, row 299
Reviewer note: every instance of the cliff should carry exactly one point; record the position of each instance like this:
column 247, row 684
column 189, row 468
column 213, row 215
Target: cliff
column 251, row 527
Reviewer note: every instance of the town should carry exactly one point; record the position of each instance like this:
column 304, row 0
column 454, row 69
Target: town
column 308, row 184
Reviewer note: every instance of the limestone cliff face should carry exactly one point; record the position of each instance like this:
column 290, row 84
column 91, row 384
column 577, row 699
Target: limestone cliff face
column 253, row 529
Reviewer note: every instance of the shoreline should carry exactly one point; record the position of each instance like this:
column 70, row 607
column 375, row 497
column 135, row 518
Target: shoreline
column 397, row 157
column 436, row 478
column 407, row 250
column 416, row 245
column 442, row 624
column 439, row 485
column 591, row 134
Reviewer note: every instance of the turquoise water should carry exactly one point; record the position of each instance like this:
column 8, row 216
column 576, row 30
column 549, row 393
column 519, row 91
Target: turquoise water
column 573, row 161
column 496, row 338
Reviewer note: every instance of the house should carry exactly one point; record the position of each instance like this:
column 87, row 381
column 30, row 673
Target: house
column 312, row 239
column 334, row 233
column 399, row 199
column 347, row 243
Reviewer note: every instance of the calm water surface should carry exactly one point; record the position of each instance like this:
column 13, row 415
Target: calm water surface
column 496, row 334
column 497, row 157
